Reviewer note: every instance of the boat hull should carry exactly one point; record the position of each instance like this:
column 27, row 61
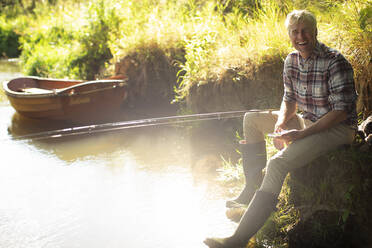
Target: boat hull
column 81, row 101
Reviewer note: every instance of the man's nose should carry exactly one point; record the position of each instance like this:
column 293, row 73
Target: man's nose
column 300, row 35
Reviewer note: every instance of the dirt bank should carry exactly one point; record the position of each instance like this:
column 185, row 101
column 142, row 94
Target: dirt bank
column 153, row 78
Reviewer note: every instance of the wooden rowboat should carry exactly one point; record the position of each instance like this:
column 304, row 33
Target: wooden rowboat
column 69, row 100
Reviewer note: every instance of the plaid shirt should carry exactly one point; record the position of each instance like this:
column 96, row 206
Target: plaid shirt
column 321, row 83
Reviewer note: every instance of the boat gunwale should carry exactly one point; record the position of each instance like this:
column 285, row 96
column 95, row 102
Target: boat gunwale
column 63, row 91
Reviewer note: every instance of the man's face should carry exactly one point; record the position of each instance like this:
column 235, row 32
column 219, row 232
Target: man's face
column 303, row 38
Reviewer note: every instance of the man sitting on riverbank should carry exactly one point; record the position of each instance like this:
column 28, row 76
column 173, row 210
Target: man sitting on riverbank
column 319, row 82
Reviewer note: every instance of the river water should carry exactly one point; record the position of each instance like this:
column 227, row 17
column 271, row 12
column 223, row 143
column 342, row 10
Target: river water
column 132, row 188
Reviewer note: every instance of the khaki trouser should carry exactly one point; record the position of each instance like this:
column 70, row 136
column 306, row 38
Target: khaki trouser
column 297, row 154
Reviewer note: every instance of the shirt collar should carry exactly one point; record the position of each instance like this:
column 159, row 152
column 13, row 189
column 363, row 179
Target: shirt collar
column 318, row 51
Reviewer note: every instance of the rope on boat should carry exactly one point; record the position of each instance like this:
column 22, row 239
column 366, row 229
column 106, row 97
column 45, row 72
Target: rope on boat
column 114, row 126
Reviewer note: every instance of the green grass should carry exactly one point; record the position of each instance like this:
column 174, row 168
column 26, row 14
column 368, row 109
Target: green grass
column 82, row 39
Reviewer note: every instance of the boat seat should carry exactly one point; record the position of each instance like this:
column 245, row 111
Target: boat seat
column 37, row 91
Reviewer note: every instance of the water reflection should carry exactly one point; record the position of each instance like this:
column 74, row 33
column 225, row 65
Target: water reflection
column 120, row 196
column 21, row 125
column 133, row 188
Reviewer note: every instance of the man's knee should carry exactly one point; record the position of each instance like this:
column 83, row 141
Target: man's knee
column 252, row 133
column 254, row 119
column 249, row 117
column 256, row 124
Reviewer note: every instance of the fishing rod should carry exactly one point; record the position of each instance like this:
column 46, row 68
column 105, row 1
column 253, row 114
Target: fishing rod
column 113, row 126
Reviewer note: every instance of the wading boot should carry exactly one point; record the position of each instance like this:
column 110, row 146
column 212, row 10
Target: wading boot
column 258, row 211
column 254, row 160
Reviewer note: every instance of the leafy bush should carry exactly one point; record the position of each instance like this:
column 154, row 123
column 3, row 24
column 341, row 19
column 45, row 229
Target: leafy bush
column 94, row 49
column 78, row 48
column 9, row 40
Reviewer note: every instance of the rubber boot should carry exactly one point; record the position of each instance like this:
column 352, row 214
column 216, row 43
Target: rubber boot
column 258, row 211
column 254, row 160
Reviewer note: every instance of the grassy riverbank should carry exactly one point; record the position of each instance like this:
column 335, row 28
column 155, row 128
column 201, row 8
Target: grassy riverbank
column 204, row 40
column 324, row 204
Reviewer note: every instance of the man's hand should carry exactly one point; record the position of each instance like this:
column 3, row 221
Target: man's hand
column 331, row 119
column 291, row 135
column 279, row 143
column 279, row 127
column 286, row 137
column 287, row 111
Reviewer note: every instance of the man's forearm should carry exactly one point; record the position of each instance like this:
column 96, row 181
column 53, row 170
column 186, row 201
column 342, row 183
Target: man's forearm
column 329, row 120
column 287, row 111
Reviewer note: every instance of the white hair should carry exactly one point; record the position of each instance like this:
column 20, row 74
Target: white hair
column 300, row 16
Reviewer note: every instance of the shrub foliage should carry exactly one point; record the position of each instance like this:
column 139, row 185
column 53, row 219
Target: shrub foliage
column 80, row 39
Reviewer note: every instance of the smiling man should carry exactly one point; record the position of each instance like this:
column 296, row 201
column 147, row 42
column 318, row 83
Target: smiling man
column 319, row 83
